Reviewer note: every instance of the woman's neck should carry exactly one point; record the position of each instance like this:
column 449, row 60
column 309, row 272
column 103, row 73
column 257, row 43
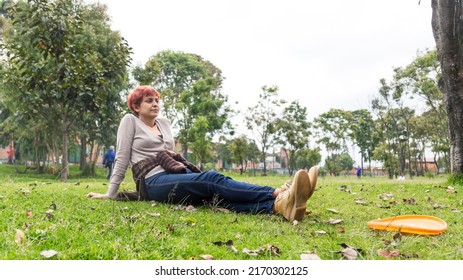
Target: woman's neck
column 148, row 121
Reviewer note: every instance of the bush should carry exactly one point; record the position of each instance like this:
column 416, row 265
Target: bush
column 89, row 170
column 209, row 166
column 456, row 179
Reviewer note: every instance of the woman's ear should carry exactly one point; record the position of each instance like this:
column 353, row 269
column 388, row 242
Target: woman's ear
column 136, row 108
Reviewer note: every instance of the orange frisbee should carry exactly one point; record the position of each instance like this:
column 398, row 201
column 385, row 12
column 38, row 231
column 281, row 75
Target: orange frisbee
column 416, row 224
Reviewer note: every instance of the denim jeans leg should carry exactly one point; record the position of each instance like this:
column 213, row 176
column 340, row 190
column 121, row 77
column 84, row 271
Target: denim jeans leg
column 210, row 187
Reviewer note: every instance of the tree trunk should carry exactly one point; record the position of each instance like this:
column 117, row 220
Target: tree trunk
column 447, row 28
column 83, row 152
column 64, row 160
column 264, row 172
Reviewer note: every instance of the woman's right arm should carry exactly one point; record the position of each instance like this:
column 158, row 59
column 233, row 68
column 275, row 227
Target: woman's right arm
column 125, row 136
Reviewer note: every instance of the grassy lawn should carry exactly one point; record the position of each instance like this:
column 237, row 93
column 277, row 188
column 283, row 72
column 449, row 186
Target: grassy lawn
column 39, row 213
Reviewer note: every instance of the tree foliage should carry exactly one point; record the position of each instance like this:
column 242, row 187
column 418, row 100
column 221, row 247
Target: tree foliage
column 261, row 119
column 191, row 91
column 293, row 132
column 62, row 63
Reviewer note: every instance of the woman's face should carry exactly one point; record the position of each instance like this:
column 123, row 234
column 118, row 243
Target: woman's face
column 149, row 107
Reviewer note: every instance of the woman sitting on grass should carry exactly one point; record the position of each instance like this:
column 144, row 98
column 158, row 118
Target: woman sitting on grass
column 145, row 142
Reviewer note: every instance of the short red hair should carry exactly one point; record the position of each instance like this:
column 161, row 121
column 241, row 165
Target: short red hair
column 137, row 95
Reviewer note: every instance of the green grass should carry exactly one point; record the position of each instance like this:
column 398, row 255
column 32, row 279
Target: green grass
column 80, row 228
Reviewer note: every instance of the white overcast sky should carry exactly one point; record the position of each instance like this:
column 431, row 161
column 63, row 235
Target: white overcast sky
column 326, row 54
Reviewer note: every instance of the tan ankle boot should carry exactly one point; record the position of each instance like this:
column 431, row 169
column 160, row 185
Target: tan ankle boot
column 292, row 203
column 313, row 175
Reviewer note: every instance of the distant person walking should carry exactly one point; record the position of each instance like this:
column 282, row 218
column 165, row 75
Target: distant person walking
column 358, row 171
column 108, row 161
column 10, row 153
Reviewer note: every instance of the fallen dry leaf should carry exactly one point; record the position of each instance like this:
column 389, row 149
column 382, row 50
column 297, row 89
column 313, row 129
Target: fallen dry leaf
column 333, row 210
column 295, row 222
column 334, row 221
column 341, row 229
column 207, row 257
column 345, row 188
column 190, row 208
column 170, row 228
column 270, row 248
column 388, row 254
column 252, row 253
column 274, row 249
column 220, row 243
column 49, row 213
column 410, row 201
column 29, row 214
column 19, row 236
column 222, row 210
column 455, row 211
column 437, row 205
column 233, row 248
column 386, row 196
column 154, row 214
column 397, row 236
column 310, row 257
column 229, row 244
column 349, row 253
column 48, row 254
column 25, row 192
column 360, row 201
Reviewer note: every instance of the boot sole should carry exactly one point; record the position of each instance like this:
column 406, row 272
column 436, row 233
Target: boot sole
column 301, row 191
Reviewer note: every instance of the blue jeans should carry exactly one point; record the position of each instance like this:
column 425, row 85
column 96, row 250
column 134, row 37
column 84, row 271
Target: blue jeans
column 110, row 170
column 210, row 187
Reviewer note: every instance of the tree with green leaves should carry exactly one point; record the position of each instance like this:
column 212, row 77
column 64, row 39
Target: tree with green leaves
column 333, row 127
column 202, row 145
column 191, row 89
column 222, row 153
column 420, row 79
column 238, row 148
column 98, row 127
column 336, row 163
column 293, row 132
column 253, row 154
column 306, row 158
column 261, row 120
column 391, row 108
column 54, row 71
column 363, row 133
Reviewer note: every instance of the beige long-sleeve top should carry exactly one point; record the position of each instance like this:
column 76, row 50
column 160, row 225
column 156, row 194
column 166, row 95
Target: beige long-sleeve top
column 135, row 142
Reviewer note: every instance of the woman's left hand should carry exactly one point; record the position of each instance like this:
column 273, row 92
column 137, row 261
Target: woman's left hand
column 97, row 195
